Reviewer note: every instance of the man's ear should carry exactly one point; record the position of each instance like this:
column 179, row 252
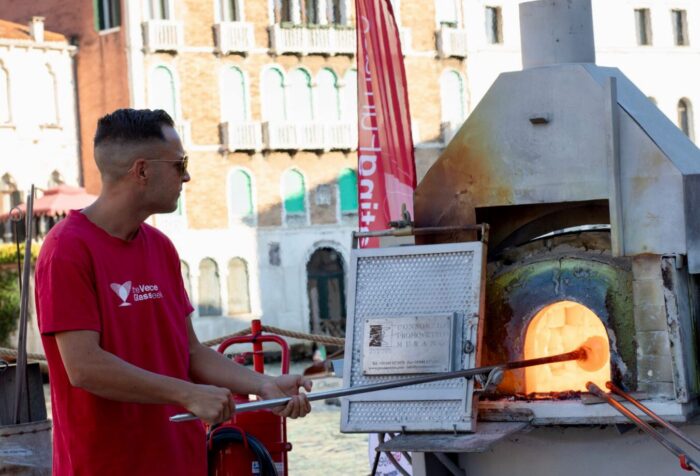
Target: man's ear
column 139, row 169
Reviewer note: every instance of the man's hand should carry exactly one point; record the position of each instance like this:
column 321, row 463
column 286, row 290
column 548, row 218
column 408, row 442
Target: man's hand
column 209, row 403
column 288, row 386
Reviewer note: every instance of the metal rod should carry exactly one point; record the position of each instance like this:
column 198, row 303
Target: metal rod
column 646, row 427
column 672, row 428
column 374, row 387
column 21, row 383
column 429, row 230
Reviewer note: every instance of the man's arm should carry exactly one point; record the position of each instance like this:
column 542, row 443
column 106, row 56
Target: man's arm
column 104, row 374
column 213, row 368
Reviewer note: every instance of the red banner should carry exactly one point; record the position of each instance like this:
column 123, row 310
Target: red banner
column 385, row 164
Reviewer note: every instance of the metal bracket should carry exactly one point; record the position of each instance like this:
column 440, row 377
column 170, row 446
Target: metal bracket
column 678, row 259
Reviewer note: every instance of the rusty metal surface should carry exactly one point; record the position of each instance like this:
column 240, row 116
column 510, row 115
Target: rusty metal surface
column 682, row 344
column 542, row 275
column 499, row 159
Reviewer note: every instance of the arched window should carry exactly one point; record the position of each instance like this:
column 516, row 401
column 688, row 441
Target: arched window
column 162, row 94
column 5, row 115
column 350, row 95
column 685, row 117
column 300, row 95
column 186, row 281
column 336, row 12
column 294, row 192
column 313, row 15
column 238, row 287
column 159, row 9
column 327, row 95
column 452, row 97
column 347, row 183
column 209, row 288
column 234, row 95
column 287, row 11
column 274, row 107
column 240, row 196
column 8, row 193
column 229, row 10
column 46, row 97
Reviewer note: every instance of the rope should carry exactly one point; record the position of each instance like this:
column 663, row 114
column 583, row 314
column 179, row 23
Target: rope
column 320, row 339
column 5, row 352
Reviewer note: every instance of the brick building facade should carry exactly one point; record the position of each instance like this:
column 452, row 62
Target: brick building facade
column 262, row 94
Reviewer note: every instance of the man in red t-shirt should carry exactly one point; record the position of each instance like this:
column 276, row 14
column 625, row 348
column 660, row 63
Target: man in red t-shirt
column 114, row 317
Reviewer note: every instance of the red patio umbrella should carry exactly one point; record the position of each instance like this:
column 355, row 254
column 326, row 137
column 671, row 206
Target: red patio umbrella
column 59, row 201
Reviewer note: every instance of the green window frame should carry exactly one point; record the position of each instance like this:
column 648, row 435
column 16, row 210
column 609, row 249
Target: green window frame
column 347, row 183
column 274, row 97
column 294, row 193
column 234, row 91
column 5, row 115
column 162, row 91
column 240, row 194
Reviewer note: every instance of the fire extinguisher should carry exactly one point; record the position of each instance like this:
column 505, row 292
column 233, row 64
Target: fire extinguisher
column 255, row 442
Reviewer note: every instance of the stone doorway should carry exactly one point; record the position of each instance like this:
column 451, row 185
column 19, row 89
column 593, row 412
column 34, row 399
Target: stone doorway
column 326, row 289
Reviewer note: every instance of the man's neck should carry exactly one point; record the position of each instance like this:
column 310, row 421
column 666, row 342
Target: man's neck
column 116, row 218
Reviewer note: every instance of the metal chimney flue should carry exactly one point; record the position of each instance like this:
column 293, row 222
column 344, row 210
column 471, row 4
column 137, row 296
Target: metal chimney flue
column 556, row 31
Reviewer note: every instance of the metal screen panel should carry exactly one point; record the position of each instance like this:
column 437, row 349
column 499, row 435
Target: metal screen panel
column 414, row 281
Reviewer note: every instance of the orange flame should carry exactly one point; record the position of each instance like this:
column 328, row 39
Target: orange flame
column 558, row 328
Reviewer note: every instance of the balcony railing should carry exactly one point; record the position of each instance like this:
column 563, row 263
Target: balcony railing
column 233, row 37
column 241, row 135
column 304, row 40
column 452, row 42
column 282, row 135
column 341, row 135
column 312, row 40
column 162, row 35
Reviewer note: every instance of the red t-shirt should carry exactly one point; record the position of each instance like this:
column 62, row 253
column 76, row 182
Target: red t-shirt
column 131, row 292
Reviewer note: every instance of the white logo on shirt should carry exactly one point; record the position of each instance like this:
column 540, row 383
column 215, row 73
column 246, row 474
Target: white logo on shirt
column 122, row 290
column 139, row 292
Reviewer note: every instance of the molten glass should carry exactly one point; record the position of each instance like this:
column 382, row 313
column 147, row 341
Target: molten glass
column 559, row 328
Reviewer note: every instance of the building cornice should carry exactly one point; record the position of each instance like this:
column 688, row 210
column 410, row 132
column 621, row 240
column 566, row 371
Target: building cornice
column 47, row 45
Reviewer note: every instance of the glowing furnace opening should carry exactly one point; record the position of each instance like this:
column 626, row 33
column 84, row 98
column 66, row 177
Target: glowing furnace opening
column 562, row 327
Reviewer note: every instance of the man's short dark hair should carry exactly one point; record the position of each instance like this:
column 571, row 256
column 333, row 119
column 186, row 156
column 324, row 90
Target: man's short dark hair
column 131, row 125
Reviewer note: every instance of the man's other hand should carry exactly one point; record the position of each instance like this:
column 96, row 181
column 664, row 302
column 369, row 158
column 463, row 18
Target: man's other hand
column 288, row 386
column 210, row 404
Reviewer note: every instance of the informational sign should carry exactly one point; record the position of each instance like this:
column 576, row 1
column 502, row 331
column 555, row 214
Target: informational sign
column 407, row 345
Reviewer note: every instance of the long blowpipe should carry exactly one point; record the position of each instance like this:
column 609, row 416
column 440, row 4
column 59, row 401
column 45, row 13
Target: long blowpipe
column 588, row 356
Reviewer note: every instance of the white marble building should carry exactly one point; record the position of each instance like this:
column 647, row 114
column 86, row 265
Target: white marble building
column 38, row 131
column 655, row 43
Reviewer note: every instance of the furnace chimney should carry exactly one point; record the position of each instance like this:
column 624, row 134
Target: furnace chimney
column 36, row 29
column 556, row 31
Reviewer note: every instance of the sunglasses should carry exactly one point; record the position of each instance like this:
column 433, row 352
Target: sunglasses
column 181, row 163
